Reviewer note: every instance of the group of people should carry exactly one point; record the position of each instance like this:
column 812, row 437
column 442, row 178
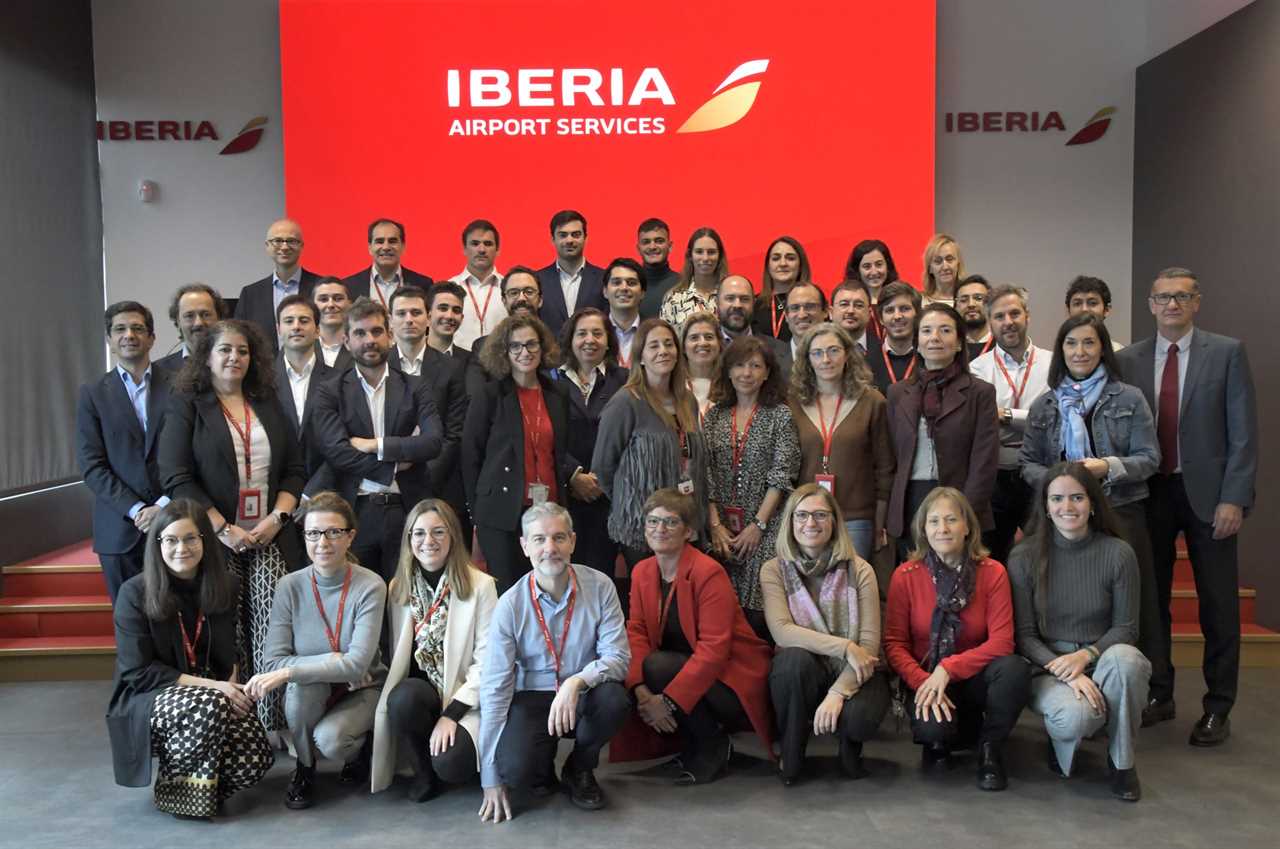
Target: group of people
column 702, row 507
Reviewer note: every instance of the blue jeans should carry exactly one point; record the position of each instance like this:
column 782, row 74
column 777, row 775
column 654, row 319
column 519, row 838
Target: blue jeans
column 860, row 531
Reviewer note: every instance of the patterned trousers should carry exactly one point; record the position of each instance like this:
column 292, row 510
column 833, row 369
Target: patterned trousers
column 206, row 753
column 259, row 572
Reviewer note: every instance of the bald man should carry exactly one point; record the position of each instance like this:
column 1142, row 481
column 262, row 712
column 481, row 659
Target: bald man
column 258, row 301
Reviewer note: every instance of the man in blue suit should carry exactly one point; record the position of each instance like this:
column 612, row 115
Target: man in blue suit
column 1201, row 390
column 570, row 283
column 259, row 300
column 117, row 420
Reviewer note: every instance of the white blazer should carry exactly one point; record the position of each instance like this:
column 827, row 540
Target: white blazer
column 465, row 639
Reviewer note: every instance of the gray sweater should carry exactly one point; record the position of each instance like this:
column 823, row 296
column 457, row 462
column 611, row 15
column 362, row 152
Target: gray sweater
column 1091, row 597
column 297, row 638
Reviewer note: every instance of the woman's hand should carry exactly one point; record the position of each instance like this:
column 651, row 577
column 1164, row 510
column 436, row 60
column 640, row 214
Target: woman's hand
column 745, row 543
column 442, row 736
column 1067, row 667
column 237, row 538
column 265, row 531
column 241, row 703
column 827, row 717
column 862, row 661
column 931, row 696
column 585, row 486
column 721, row 539
column 654, row 711
column 1096, row 467
column 881, row 537
column 1086, row 689
column 264, row 682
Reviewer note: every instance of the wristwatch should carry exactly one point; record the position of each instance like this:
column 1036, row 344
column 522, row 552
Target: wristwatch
column 759, row 523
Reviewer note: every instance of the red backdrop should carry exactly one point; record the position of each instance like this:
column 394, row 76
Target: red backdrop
column 837, row 146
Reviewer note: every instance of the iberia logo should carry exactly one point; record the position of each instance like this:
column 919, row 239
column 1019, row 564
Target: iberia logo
column 1094, row 128
column 730, row 102
column 248, row 137
column 1029, row 121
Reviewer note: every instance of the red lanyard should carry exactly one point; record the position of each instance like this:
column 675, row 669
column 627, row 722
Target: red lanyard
column 888, row 366
column 828, row 433
column 739, row 443
column 377, row 290
column 342, row 605
column 991, row 340
column 189, row 646
column 542, row 621
column 475, row 303
column 1017, row 391
column 435, row 605
column 532, row 430
column 246, row 436
column 776, row 316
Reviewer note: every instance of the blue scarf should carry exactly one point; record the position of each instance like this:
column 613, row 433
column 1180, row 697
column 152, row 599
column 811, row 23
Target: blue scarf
column 1075, row 399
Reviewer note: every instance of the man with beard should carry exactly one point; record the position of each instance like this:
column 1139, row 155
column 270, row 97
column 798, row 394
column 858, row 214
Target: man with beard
column 898, row 308
column 194, row 309
column 735, row 307
column 259, row 301
column 556, row 658
column 1020, row 373
column 377, row 427
column 624, row 287
column 971, row 303
column 653, row 243
column 331, row 298
column 851, row 309
column 521, row 296
column 386, row 246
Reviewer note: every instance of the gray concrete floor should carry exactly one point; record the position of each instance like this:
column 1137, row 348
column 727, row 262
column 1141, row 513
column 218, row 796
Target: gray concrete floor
column 56, row 789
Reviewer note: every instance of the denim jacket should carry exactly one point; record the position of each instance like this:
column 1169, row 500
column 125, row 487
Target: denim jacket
column 1124, row 434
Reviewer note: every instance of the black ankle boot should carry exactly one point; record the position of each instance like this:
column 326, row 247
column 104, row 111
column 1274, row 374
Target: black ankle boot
column 301, row 791
column 991, row 774
column 935, row 756
column 851, row 758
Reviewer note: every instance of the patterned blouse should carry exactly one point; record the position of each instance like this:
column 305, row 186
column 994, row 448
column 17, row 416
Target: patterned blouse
column 679, row 304
column 770, row 458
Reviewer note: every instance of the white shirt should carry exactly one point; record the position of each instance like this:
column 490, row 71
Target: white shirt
column 477, row 320
column 412, row 365
column 298, row 383
column 625, row 336
column 1184, row 357
column 259, row 466
column 1034, row 368
column 377, row 398
column 330, row 352
column 381, row 290
column 588, row 387
column 570, row 282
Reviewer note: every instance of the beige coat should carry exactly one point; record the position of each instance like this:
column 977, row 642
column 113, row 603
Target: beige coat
column 465, row 642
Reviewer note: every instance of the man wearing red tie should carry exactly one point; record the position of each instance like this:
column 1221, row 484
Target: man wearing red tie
column 386, row 245
column 1200, row 386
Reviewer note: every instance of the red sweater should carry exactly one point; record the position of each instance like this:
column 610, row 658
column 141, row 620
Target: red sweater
column 986, row 623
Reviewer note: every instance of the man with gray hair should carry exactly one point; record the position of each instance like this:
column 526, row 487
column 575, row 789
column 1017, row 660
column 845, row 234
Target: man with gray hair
column 1020, row 373
column 557, row 655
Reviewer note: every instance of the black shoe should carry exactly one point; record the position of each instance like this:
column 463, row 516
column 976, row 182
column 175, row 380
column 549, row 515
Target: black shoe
column 1213, row 729
column 301, row 792
column 991, row 774
column 582, row 787
column 357, row 771
column 709, row 764
column 851, row 759
column 424, row 787
column 1054, row 766
column 1158, row 711
column 1124, row 782
column 935, row 756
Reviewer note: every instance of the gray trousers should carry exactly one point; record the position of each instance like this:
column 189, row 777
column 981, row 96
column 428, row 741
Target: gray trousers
column 336, row 733
column 1122, row 674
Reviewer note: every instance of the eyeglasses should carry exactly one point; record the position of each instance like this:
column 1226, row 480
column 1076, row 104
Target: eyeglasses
column 971, row 299
column 331, row 534
column 804, row 307
column 190, row 541
column 825, row 353
column 533, row 346
column 280, row 243
column 1183, row 298
column 668, row 522
column 528, row 292
column 437, row 534
column 802, row 517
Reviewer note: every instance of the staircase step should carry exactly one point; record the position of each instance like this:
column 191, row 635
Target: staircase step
column 1259, row 647
column 1185, row 605
column 79, row 554
column 62, row 658
column 56, row 616
column 48, row 579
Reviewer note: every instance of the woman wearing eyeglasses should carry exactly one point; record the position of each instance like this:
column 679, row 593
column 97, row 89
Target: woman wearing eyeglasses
column 176, row 691
column 323, row 644
column 515, row 442
column 439, row 611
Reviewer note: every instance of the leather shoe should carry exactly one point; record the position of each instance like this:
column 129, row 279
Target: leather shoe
column 424, row 788
column 1213, row 729
column 1124, row 783
column 301, row 791
column 991, row 774
column 583, row 789
column 851, row 759
column 1158, row 711
column 935, row 756
column 707, row 765
column 357, row 771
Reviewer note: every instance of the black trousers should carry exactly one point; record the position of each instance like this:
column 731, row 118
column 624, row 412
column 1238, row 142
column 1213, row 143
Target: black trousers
column 594, row 548
column 413, row 708
column 503, row 555
column 1215, row 567
column 718, row 712
column 987, row 705
column 1010, row 501
column 377, row 543
column 118, row 568
column 527, row 753
column 1152, row 638
column 912, row 499
column 798, row 682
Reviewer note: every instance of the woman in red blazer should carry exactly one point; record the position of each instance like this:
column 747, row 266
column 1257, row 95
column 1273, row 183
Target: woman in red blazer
column 949, row 634
column 697, row 667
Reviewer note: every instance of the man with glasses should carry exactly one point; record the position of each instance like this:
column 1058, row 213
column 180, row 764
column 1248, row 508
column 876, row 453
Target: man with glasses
column 851, row 309
column 259, row 301
column 971, row 303
column 1201, row 390
column 195, row 308
column 805, row 307
column 521, row 296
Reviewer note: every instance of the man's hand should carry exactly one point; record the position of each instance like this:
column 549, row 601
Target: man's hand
column 364, row 444
column 585, row 486
column 1227, row 519
column 143, row 518
column 496, row 805
column 563, row 715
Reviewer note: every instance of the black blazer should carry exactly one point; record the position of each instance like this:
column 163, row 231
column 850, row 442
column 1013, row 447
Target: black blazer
column 342, row 362
column 342, row 411
column 584, row 416
column 198, row 459
column 446, row 378
column 149, row 658
column 257, row 304
column 493, row 452
column 555, row 312
column 172, row 362
column 117, row 459
column 301, row 433
column 358, row 284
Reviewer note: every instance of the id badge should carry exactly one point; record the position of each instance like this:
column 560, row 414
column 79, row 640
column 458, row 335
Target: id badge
column 827, row 482
column 538, row 493
column 735, row 519
column 685, row 486
column 250, row 504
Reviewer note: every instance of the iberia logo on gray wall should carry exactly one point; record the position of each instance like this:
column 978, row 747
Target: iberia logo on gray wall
column 183, row 131
column 1028, row 122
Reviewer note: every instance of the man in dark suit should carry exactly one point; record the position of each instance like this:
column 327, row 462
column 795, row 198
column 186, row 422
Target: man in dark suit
column 259, row 301
column 445, row 304
column 299, row 372
column 897, row 359
column 736, row 307
column 851, row 310
column 332, row 300
column 1201, row 390
column 117, row 420
column 386, row 246
column 377, row 428
column 521, row 296
column 194, row 309
column 806, row 306
column 569, row 283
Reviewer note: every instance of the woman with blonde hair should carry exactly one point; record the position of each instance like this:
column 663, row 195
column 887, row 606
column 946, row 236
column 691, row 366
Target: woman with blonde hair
column 943, row 269
column 439, row 607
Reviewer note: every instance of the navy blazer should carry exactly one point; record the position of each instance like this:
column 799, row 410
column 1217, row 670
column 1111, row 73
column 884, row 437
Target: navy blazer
column 257, row 304
column 342, row 411
column 584, row 415
column 198, row 458
column 301, row 432
column 117, row 459
column 555, row 312
column 358, row 284
column 446, row 377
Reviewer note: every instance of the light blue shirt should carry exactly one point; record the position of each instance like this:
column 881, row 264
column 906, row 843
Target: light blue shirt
column 281, row 289
column 596, row 650
column 138, row 394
